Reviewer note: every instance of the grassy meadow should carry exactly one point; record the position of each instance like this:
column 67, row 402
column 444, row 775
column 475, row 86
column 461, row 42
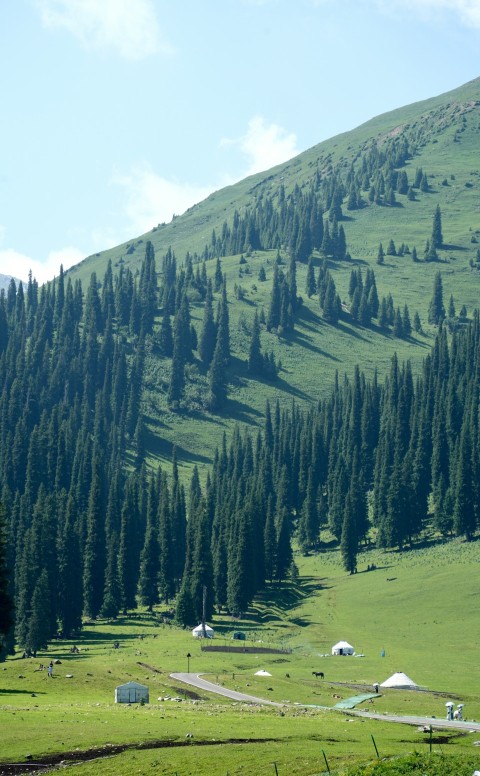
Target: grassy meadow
column 420, row 607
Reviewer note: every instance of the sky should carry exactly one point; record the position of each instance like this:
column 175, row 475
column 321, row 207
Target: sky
column 118, row 114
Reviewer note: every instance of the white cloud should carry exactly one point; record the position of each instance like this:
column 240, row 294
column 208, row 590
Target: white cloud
column 18, row 264
column 128, row 26
column 468, row 11
column 264, row 145
column 152, row 199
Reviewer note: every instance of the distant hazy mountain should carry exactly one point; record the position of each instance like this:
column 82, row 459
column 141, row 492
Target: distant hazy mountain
column 5, row 281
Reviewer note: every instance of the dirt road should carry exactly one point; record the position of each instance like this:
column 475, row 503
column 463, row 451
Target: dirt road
column 196, row 681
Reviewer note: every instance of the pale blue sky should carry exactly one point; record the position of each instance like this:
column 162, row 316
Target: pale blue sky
column 118, row 113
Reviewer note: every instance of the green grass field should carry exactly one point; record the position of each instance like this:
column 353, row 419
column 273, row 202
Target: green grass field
column 425, row 618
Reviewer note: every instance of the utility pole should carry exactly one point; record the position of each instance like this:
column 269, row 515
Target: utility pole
column 204, row 609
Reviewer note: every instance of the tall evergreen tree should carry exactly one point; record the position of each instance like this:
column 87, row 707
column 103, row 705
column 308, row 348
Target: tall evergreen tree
column 437, row 236
column 217, row 381
column 208, row 334
column 223, row 326
column 6, row 603
column 70, row 599
column 94, row 553
column 464, row 519
column 149, row 557
column 311, row 285
column 436, row 310
column 255, row 357
column 349, row 538
column 39, row 632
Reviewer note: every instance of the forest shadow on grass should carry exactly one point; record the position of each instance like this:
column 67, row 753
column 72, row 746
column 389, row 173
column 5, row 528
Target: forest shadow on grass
column 305, row 342
column 162, row 448
column 4, row 692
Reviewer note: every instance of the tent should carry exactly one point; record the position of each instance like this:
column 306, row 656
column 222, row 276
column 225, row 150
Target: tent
column 262, row 672
column 131, row 692
column 400, row 681
column 199, row 633
column 343, row 648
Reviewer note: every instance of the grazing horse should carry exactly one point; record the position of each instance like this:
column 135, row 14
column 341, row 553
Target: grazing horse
column 318, row 674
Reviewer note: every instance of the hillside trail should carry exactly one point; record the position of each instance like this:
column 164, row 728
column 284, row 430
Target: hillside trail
column 195, row 680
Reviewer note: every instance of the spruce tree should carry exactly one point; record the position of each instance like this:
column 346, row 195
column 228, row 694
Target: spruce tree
column 255, row 357
column 165, row 335
column 270, row 543
column 70, row 587
column 437, row 236
column 273, row 317
column 310, row 286
column 184, row 609
column 39, row 632
column 208, row 334
column 218, row 277
column 349, row 539
column 223, row 327
column 217, row 381
column 111, row 592
column 149, row 557
column 406, row 323
column 308, row 524
column 464, row 519
column 436, row 310
column 6, row 603
column 94, row 551
column 380, row 255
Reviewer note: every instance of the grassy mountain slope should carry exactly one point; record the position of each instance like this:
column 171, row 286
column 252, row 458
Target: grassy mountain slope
column 439, row 118
column 445, row 132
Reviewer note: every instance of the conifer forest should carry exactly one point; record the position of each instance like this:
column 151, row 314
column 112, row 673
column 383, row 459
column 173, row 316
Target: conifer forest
column 90, row 528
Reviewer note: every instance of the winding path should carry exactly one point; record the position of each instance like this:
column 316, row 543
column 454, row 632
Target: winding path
column 195, row 680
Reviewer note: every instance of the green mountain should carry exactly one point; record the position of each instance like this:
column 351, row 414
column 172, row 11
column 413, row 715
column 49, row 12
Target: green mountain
column 424, row 155
column 312, row 370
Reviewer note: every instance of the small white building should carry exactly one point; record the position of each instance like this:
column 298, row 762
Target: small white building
column 343, row 648
column 203, row 632
column 131, row 692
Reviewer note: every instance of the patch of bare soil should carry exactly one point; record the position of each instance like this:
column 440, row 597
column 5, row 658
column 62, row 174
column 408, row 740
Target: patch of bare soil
column 48, row 762
column 246, row 650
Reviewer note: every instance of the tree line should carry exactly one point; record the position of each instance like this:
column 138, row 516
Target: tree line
column 88, row 531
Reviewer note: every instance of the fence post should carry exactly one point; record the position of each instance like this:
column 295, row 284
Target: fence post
column 276, row 769
column 326, row 761
column 375, row 747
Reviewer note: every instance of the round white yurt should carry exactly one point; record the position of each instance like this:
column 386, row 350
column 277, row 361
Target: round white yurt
column 343, row 648
column 201, row 632
column 399, row 681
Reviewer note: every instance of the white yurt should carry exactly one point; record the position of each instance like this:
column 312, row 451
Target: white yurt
column 343, row 648
column 400, row 681
column 262, row 672
column 200, row 633
column 131, row 692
